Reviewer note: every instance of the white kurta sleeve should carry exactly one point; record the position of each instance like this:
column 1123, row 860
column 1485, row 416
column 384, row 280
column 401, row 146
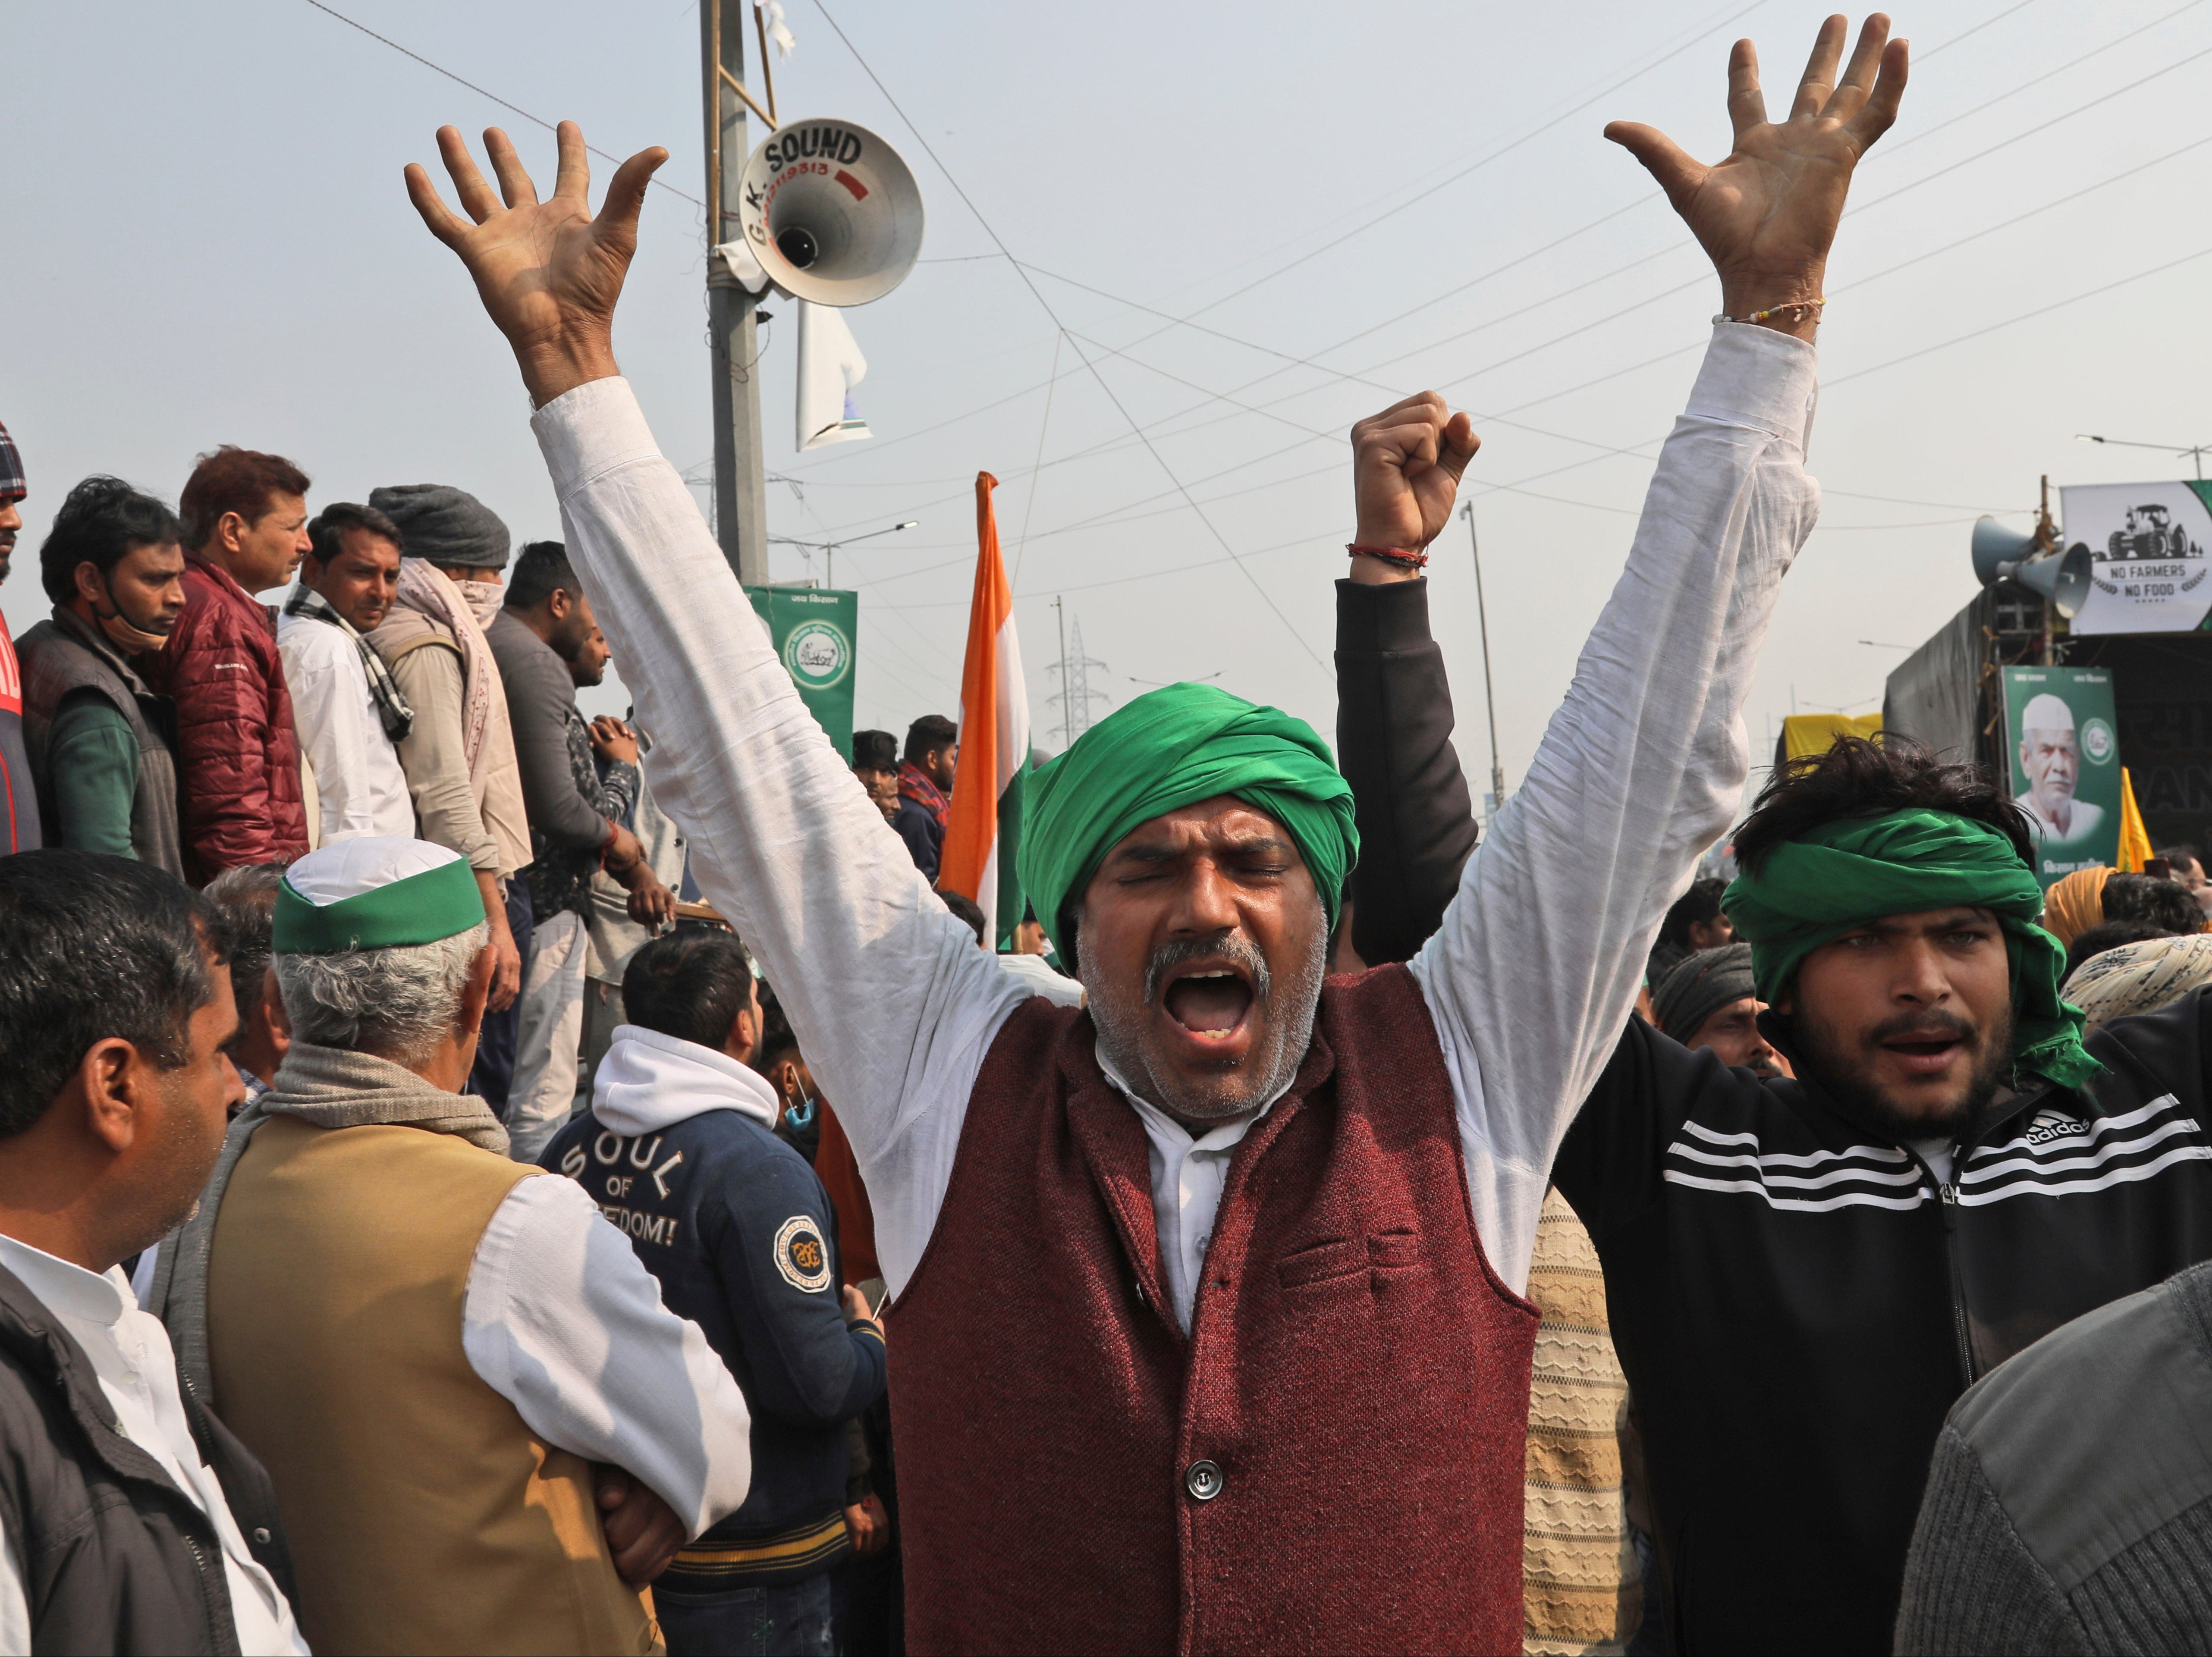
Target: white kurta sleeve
column 563, row 1321
column 1531, row 976
column 893, row 1004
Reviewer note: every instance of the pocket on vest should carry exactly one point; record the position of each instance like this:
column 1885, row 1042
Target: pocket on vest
column 1343, row 1257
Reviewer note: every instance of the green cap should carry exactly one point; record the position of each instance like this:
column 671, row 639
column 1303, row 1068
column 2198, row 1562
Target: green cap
column 374, row 892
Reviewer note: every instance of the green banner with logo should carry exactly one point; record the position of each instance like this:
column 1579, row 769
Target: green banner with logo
column 2062, row 734
column 814, row 632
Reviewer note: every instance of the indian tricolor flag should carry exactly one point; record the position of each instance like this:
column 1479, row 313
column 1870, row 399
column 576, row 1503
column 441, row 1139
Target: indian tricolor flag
column 979, row 842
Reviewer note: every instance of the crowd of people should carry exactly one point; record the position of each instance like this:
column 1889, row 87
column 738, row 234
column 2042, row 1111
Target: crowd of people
column 1333, row 1224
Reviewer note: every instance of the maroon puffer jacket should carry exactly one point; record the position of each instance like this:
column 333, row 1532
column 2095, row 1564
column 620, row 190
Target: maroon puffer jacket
column 238, row 756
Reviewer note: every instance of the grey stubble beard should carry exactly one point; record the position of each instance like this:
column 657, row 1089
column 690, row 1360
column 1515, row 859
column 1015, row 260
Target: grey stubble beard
column 1294, row 996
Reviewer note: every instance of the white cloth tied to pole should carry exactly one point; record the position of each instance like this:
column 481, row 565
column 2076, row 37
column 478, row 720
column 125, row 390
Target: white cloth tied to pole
column 830, row 366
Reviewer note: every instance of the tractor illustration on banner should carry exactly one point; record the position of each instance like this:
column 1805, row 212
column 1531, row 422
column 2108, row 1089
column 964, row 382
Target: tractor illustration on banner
column 2149, row 532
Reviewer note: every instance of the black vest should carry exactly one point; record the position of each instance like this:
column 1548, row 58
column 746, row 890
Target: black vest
column 65, row 654
column 115, row 1558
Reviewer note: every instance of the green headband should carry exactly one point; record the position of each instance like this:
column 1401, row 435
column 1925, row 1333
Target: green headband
column 422, row 908
column 1813, row 890
column 1169, row 749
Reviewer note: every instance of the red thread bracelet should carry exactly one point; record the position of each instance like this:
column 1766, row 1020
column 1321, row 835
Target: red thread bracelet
column 1397, row 555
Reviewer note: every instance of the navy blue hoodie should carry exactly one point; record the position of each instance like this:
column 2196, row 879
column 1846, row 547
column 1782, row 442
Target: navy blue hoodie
column 678, row 1152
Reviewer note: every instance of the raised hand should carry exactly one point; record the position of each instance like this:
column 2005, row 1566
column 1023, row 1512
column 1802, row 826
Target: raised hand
column 549, row 272
column 1766, row 214
column 1406, row 464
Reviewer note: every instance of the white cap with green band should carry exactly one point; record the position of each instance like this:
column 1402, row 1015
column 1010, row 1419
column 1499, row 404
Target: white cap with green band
column 374, row 892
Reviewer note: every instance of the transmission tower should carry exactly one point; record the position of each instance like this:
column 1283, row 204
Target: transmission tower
column 1075, row 695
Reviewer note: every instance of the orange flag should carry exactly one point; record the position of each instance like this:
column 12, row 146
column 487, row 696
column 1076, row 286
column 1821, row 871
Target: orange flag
column 985, row 832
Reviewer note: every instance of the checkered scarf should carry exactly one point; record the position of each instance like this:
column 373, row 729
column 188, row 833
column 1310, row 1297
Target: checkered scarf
column 915, row 785
column 390, row 706
column 12, row 484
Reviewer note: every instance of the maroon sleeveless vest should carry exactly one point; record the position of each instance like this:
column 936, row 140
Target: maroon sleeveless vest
column 1331, row 1462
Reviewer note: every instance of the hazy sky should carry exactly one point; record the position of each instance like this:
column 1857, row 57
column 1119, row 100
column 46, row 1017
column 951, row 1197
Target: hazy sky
column 208, row 242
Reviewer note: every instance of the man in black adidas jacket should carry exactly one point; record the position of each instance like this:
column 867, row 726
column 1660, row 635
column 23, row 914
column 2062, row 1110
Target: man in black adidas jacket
column 680, row 1150
column 1804, row 1275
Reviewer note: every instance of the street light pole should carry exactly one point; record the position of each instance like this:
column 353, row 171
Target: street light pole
column 829, row 549
column 1489, row 694
column 2195, row 451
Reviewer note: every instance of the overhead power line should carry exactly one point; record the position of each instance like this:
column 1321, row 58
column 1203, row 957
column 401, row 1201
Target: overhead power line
column 1309, row 361
column 1266, row 596
column 1505, row 417
column 1114, row 516
column 481, row 92
column 1683, row 245
column 1188, row 320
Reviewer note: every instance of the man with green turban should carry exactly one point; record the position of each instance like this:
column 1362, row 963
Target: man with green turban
column 1803, row 1272
column 1205, row 1330
column 1804, row 1275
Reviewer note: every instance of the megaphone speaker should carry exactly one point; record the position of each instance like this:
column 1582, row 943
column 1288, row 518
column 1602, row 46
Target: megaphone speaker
column 2063, row 578
column 1996, row 546
column 831, row 212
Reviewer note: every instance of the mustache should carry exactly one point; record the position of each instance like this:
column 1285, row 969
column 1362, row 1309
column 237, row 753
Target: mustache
column 1226, row 946
column 1931, row 1026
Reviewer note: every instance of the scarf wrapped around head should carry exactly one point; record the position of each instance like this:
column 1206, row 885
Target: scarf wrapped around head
column 1844, row 874
column 2073, row 904
column 1698, row 985
column 1169, row 749
column 2138, row 978
column 428, row 589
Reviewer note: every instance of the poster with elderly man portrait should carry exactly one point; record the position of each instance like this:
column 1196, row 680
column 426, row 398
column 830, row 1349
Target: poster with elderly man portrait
column 2065, row 748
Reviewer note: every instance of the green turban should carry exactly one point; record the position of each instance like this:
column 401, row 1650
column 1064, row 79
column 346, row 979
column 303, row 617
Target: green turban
column 1169, row 749
column 1844, row 874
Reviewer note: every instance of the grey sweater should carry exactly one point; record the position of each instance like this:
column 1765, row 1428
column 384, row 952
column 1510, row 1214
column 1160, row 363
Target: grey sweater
column 2069, row 1508
column 540, row 698
column 570, row 806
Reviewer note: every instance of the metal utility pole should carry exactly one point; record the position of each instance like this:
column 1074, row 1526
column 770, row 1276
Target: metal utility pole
column 740, row 483
column 1489, row 695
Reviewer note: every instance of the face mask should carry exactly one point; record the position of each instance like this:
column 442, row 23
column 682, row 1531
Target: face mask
column 483, row 598
column 131, row 640
column 800, row 1115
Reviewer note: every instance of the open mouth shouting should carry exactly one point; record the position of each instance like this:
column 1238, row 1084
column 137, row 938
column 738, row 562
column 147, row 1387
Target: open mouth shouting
column 1210, row 993
column 1211, row 1006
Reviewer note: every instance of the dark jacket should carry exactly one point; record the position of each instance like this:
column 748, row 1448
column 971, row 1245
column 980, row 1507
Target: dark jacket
column 64, row 655
column 237, row 754
column 115, row 1558
column 1416, row 823
column 1796, row 1299
column 571, row 811
column 2070, row 1505
column 19, row 794
column 919, row 820
column 740, row 1234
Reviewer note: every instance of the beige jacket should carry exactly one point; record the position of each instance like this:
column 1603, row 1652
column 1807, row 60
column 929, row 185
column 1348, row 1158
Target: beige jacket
column 482, row 816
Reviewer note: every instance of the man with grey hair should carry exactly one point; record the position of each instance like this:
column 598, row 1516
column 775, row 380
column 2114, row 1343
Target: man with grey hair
column 419, row 1338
